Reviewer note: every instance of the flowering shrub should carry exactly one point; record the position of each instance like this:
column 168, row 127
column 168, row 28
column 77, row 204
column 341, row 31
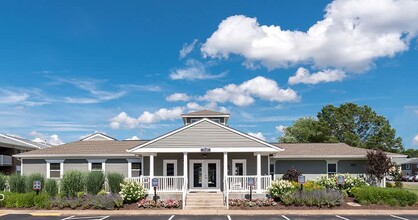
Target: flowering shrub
column 350, row 182
column 281, row 187
column 132, row 191
column 255, row 202
column 169, row 204
column 316, row 197
column 311, row 185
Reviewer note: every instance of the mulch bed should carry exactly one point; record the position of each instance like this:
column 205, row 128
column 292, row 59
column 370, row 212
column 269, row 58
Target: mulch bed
column 344, row 206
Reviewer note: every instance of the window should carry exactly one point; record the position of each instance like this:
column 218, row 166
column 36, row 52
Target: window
column 407, row 166
column 332, row 168
column 239, row 167
column 193, row 120
column 170, row 167
column 97, row 165
column 54, row 168
column 216, row 120
column 136, row 169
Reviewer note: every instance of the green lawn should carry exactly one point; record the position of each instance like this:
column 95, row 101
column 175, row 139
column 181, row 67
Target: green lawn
column 411, row 187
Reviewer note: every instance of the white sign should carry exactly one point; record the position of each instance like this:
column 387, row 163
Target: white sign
column 301, row 179
column 341, row 179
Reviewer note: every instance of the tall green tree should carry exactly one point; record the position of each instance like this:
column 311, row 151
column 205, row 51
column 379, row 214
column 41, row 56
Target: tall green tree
column 357, row 126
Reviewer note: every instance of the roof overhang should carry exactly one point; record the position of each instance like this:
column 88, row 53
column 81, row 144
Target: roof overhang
column 27, row 156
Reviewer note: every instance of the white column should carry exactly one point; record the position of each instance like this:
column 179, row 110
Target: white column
column 225, row 164
column 151, row 166
column 258, row 172
column 185, row 172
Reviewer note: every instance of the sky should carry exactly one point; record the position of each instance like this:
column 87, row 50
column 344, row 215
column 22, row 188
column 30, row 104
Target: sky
column 131, row 68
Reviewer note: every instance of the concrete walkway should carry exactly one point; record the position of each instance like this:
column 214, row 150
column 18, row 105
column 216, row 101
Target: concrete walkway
column 371, row 212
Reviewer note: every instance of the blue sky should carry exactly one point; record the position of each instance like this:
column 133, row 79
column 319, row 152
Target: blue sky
column 70, row 68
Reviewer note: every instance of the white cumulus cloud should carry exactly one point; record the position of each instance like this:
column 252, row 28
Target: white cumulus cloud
column 302, row 75
column 49, row 139
column 126, row 121
column 258, row 135
column 280, row 129
column 194, row 70
column 350, row 37
column 177, row 97
column 133, row 138
column 245, row 93
column 187, row 48
column 415, row 141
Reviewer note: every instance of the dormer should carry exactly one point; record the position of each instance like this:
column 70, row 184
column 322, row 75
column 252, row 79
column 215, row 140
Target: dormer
column 218, row 117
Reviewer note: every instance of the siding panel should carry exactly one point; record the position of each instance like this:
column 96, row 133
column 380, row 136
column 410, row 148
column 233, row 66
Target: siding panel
column 31, row 166
column 117, row 166
column 303, row 166
column 352, row 166
column 76, row 164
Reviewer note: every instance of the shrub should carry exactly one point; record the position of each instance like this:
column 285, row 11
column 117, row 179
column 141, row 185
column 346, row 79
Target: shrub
column 330, row 182
column 311, row 185
column 132, row 191
column 51, row 187
column 34, row 177
column 114, row 180
column 42, row 201
column 398, row 184
column 17, row 183
column 72, row 182
column 316, row 197
column 281, row 187
column 247, row 203
column 389, row 185
column 378, row 195
column 24, row 200
column 108, row 202
column 3, row 179
column 170, row 203
column 94, row 182
column 291, row 175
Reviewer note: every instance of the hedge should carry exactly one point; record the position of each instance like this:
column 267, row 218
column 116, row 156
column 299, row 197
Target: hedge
column 388, row 196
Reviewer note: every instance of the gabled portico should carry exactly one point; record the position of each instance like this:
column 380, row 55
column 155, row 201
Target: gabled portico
column 206, row 156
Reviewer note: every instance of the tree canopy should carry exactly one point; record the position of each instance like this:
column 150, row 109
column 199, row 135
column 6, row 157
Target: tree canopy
column 357, row 126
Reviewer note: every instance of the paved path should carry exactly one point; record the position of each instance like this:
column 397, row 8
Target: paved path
column 215, row 217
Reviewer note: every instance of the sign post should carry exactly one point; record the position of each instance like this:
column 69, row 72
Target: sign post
column 155, row 185
column 36, row 185
column 251, row 183
column 340, row 181
column 301, row 181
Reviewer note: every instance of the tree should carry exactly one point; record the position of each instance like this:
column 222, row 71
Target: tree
column 306, row 130
column 360, row 126
column 357, row 126
column 378, row 164
column 411, row 152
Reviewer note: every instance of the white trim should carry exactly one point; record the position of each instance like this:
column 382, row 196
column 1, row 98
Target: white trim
column 333, row 162
column 258, row 172
column 198, row 150
column 21, row 169
column 206, row 116
column 244, row 166
column 48, row 168
column 165, row 162
column 67, row 156
column 136, row 149
column 100, row 135
column 102, row 161
column 130, row 161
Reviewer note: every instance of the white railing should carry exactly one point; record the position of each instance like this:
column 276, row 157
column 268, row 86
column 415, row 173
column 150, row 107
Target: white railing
column 165, row 183
column 240, row 183
column 5, row 160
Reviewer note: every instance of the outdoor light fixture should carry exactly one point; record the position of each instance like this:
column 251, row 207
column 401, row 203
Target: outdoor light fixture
column 205, row 155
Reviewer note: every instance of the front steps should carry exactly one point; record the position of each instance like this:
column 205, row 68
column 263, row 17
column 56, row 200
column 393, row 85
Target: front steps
column 204, row 200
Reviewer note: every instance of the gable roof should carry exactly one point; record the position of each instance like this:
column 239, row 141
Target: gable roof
column 205, row 112
column 323, row 150
column 108, row 148
column 21, row 142
column 98, row 137
column 205, row 133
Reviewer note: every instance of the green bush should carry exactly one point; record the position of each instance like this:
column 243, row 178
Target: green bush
column 315, row 197
column 398, row 184
column 389, row 185
column 17, row 183
column 330, row 182
column 72, row 182
column 107, row 202
column 42, row 201
column 132, row 192
column 94, row 182
column 26, row 200
column 377, row 195
column 3, row 179
column 114, row 180
column 29, row 181
column 51, row 187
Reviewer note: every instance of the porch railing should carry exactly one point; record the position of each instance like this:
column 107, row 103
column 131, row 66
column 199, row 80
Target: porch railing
column 240, row 183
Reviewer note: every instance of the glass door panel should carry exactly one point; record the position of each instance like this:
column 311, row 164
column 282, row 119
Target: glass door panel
column 212, row 175
column 197, row 175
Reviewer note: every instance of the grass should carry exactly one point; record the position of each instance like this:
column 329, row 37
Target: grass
column 411, row 187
